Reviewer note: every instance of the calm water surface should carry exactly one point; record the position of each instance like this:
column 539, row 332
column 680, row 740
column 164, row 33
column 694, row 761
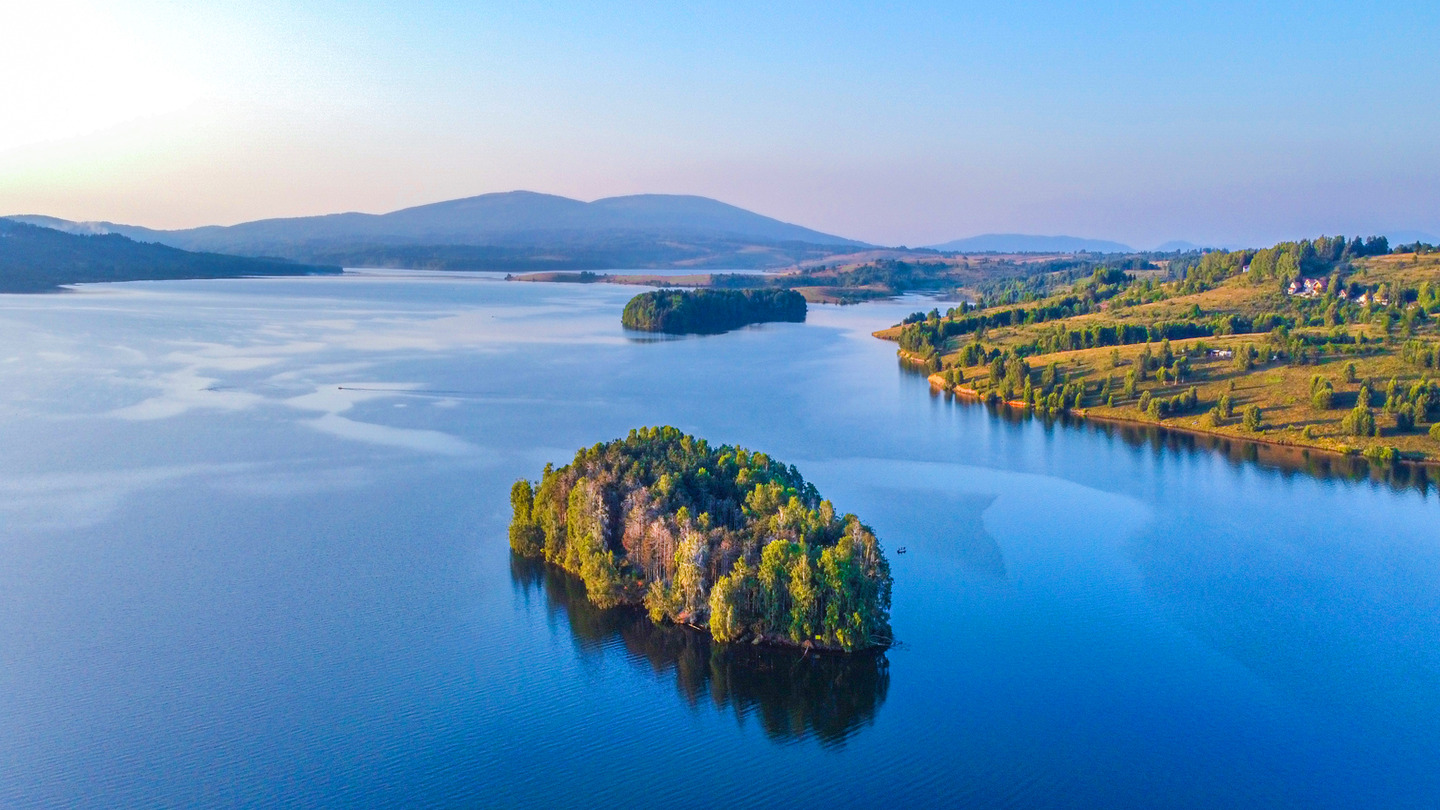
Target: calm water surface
column 252, row 552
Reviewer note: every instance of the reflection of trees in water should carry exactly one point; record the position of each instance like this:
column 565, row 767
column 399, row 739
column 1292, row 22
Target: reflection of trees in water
column 793, row 695
column 1283, row 459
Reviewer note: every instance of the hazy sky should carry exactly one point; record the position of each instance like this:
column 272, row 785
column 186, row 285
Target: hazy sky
column 908, row 123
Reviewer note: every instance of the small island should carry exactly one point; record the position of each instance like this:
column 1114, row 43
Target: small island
column 719, row 538
column 710, row 312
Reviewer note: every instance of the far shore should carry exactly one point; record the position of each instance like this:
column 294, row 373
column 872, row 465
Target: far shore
column 813, row 294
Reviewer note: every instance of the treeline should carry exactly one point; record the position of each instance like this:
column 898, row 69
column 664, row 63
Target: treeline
column 926, row 338
column 717, row 537
column 709, row 311
column 1034, row 281
column 1284, row 262
column 894, row 274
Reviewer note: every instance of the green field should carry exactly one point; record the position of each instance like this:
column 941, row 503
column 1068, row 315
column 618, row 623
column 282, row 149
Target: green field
column 1238, row 341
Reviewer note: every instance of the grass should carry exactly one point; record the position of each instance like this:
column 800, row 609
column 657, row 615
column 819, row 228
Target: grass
column 1281, row 390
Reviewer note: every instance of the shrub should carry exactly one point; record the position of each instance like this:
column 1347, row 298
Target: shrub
column 1382, row 455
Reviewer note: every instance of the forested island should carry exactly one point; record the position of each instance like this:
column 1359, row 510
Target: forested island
column 710, row 311
column 39, row 259
column 1328, row 343
column 721, row 538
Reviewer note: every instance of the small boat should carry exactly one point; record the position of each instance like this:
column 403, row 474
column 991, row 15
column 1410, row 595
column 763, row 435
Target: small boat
column 900, row 550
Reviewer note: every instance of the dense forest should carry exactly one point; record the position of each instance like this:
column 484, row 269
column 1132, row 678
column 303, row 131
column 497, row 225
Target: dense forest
column 717, row 537
column 710, row 312
column 36, row 259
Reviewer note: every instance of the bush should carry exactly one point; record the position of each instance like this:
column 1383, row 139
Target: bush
column 1384, row 456
column 1435, row 431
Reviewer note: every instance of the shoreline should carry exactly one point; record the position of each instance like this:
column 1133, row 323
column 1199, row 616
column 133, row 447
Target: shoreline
column 749, row 639
column 938, row 383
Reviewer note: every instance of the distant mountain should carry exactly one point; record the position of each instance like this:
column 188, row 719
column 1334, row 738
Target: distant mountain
column 1178, row 246
column 36, row 259
column 517, row 230
column 1026, row 243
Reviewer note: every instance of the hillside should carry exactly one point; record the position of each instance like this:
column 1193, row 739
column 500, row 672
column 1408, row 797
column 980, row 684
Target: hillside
column 1330, row 345
column 876, row 274
column 36, row 259
column 518, row 230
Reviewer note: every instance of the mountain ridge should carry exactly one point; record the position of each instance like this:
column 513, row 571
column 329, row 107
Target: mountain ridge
column 511, row 230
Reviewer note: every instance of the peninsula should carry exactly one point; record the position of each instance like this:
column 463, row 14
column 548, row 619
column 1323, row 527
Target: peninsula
column 720, row 538
column 709, row 312
column 40, row 259
column 1329, row 344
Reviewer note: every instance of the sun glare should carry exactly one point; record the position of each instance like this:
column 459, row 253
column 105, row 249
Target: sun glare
column 75, row 71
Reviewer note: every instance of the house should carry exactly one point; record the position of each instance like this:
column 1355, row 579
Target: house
column 1223, row 354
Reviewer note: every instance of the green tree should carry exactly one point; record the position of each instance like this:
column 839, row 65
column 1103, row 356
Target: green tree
column 804, row 598
column 730, row 602
column 526, row 536
column 1251, row 418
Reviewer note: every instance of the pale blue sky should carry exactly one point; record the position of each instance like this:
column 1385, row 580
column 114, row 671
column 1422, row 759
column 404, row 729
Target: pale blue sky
column 905, row 123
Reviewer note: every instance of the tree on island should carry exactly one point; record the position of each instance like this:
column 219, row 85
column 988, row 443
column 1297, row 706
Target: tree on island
column 710, row 311
column 721, row 538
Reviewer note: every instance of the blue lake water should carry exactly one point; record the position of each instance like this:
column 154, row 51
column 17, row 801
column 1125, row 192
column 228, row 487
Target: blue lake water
column 253, row 553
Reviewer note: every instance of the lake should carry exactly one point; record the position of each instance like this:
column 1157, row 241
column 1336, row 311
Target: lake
column 254, row 554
